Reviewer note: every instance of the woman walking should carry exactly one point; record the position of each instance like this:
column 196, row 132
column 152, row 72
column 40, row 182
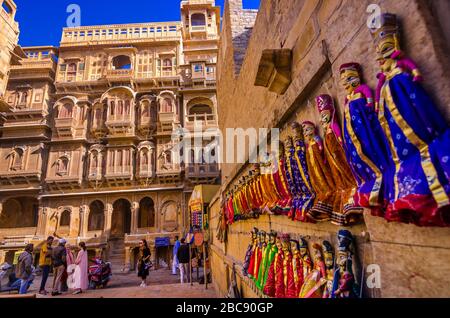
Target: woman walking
column 81, row 270
column 143, row 262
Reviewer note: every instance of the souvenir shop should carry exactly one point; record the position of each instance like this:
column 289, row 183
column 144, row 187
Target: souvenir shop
column 388, row 159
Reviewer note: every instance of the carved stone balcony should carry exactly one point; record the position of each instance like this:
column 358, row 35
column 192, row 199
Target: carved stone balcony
column 119, row 176
column 203, row 121
column 98, row 129
column 119, row 75
column 146, row 125
column 59, row 183
column 120, row 33
column 65, row 127
column 166, row 120
column 145, row 175
column 95, row 178
column 169, row 173
column 21, row 177
column 202, row 173
column 119, row 124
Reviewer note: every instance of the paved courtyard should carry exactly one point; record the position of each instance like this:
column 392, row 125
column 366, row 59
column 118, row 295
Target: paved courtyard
column 161, row 284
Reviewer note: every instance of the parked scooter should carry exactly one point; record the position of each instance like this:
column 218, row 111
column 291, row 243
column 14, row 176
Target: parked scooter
column 99, row 274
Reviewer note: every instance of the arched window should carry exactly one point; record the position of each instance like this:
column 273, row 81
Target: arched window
column 94, row 161
column 65, row 111
column 96, row 218
column 198, row 19
column 167, row 65
column 145, row 110
column 144, row 158
column 65, row 218
column 127, row 107
column 62, row 166
column 71, row 72
column 121, row 62
column 16, row 158
column 112, row 107
column 120, row 107
column 23, row 98
column 146, row 213
column 166, row 105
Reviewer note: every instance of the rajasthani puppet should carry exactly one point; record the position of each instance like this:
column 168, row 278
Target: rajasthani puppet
column 297, row 266
column 365, row 144
column 345, row 212
column 310, row 288
column 259, row 253
column 250, row 251
column 344, row 285
column 320, row 174
column 268, row 257
column 418, row 135
column 274, row 269
column 304, row 179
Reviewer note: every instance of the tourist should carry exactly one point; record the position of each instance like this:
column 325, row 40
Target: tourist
column 183, row 259
column 143, row 262
column 175, row 258
column 67, row 279
column 81, row 270
column 59, row 254
column 45, row 263
column 24, row 269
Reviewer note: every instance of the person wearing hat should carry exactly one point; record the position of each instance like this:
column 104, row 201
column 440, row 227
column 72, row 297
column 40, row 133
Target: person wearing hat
column 59, row 265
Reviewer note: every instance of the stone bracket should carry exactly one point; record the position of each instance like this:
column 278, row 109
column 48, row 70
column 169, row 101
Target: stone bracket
column 275, row 70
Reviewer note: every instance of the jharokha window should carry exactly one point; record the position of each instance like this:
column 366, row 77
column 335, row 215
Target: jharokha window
column 62, row 166
column 16, row 159
column 66, row 111
column 119, row 107
column 166, row 105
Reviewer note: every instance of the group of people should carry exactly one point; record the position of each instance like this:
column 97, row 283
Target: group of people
column 180, row 261
column 66, row 267
column 282, row 267
column 390, row 156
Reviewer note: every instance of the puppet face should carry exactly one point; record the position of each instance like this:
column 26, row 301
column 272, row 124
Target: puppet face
column 325, row 118
column 350, row 80
column 387, row 45
column 308, row 130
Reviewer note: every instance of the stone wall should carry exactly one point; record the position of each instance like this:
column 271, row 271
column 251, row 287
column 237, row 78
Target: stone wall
column 323, row 35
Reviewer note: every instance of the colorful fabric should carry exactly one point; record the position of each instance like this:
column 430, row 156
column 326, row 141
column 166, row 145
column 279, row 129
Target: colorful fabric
column 366, row 150
column 419, row 138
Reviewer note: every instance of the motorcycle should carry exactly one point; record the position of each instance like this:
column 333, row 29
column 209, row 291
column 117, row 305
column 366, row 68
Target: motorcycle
column 99, row 274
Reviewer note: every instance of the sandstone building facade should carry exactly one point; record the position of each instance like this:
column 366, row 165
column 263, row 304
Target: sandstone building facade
column 11, row 52
column 322, row 35
column 87, row 149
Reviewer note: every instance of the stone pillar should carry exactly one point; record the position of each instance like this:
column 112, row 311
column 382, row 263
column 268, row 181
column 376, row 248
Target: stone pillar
column 127, row 265
column 108, row 218
column 134, row 217
column 42, row 218
column 84, row 212
column 153, row 256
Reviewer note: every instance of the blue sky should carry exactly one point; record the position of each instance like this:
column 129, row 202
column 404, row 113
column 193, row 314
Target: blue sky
column 41, row 22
